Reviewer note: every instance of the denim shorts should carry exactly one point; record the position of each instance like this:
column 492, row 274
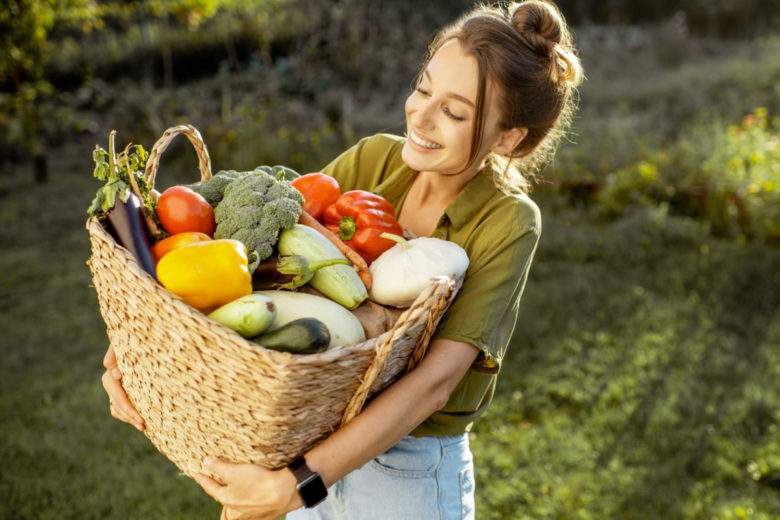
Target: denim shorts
column 420, row 478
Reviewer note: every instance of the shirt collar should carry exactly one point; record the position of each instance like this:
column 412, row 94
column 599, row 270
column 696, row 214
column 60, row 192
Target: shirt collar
column 472, row 198
column 469, row 201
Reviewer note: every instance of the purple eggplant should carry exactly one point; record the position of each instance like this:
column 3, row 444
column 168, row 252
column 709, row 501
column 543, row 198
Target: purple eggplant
column 127, row 224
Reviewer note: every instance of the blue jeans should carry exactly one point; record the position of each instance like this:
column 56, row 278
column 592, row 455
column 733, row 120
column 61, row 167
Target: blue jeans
column 420, row 478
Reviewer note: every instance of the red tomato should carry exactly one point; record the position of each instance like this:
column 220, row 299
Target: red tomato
column 167, row 245
column 180, row 210
column 319, row 191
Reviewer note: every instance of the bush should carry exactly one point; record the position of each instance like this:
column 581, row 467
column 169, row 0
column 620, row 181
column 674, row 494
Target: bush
column 727, row 175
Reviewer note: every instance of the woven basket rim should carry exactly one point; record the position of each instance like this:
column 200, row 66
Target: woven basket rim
column 326, row 357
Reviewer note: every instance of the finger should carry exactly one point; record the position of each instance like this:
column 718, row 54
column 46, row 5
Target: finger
column 109, row 360
column 211, row 487
column 117, row 414
column 121, row 416
column 220, row 467
column 116, row 393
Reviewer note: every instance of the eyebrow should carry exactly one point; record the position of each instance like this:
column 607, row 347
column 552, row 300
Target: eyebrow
column 451, row 94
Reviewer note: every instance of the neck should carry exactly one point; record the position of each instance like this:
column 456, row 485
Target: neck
column 435, row 187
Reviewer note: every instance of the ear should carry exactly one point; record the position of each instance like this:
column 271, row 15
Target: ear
column 508, row 140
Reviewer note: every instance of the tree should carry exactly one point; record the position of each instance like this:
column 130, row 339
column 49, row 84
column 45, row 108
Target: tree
column 24, row 25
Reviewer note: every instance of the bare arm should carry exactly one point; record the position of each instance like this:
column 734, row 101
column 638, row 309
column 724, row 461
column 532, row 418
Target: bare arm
column 395, row 412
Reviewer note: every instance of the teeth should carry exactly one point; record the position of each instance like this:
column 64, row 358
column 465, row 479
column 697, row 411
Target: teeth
column 422, row 142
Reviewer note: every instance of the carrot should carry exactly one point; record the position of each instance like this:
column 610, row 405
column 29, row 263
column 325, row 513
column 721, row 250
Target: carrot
column 350, row 253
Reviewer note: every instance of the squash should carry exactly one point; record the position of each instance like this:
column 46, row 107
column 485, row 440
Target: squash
column 249, row 315
column 402, row 272
column 340, row 283
column 345, row 329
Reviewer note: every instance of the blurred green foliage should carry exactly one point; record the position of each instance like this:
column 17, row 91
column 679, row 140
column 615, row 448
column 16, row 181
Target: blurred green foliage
column 728, row 175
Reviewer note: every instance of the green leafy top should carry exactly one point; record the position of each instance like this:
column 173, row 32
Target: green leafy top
column 119, row 172
column 115, row 171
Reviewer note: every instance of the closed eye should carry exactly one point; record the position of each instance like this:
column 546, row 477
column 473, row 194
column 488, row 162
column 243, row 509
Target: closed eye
column 451, row 115
column 445, row 109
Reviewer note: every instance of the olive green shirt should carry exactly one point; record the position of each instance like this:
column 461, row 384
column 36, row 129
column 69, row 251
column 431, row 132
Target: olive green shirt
column 499, row 233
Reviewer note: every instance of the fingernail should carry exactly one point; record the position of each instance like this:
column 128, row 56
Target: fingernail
column 208, row 461
column 116, row 374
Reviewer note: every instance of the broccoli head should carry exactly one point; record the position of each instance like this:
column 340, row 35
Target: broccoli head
column 214, row 189
column 254, row 208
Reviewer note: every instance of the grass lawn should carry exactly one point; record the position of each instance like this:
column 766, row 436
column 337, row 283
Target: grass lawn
column 643, row 382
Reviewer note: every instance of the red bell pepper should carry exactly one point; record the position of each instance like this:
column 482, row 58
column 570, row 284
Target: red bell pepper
column 319, row 191
column 359, row 218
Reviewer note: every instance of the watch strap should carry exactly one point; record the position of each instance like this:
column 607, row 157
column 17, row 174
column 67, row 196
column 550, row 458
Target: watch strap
column 311, row 487
column 300, row 469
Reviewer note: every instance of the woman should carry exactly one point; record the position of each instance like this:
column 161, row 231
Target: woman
column 492, row 97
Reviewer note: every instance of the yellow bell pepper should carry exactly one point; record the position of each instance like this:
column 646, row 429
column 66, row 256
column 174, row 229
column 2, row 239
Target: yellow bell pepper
column 207, row 274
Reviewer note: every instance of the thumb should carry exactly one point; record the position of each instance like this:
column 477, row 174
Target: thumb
column 109, row 360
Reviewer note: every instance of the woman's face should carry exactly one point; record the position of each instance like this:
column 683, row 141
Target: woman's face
column 440, row 114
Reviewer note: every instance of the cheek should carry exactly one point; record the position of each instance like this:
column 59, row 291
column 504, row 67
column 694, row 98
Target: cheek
column 409, row 105
column 460, row 134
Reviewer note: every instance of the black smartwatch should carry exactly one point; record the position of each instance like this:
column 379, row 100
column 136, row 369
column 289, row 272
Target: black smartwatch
column 310, row 486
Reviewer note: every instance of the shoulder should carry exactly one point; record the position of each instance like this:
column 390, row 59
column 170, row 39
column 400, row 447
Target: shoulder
column 507, row 231
column 365, row 163
column 516, row 214
column 381, row 146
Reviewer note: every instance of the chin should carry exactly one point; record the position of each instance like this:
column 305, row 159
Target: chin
column 412, row 158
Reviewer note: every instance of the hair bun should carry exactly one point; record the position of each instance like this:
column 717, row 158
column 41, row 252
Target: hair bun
column 539, row 23
column 542, row 28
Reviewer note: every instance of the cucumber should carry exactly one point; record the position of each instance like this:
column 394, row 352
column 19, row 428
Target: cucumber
column 345, row 329
column 249, row 315
column 302, row 336
column 340, row 283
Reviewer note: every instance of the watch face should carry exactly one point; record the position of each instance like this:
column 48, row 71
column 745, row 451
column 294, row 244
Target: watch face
column 312, row 490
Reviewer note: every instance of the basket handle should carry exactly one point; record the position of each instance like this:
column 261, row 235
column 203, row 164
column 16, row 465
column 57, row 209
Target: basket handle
column 191, row 133
column 441, row 289
column 430, row 326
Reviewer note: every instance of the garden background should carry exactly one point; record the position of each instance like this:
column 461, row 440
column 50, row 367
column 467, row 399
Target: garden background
column 644, row 378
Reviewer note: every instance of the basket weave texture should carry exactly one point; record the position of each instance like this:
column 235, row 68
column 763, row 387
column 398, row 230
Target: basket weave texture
column 203, row 390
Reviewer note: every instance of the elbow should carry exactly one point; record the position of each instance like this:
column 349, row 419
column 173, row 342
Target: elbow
column 441, row 396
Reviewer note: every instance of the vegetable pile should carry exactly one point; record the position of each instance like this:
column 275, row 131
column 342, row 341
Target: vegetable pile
column 237, row 245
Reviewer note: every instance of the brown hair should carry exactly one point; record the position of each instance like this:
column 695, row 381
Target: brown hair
column 526, row 50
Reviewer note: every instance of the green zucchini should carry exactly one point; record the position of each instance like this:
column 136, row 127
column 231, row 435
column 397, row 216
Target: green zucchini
column 301, row 336
column 340, row 283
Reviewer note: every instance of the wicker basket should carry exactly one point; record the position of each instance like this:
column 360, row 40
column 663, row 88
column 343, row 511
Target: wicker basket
column 203, row 390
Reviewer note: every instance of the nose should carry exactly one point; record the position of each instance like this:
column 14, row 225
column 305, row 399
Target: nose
column 422, row 115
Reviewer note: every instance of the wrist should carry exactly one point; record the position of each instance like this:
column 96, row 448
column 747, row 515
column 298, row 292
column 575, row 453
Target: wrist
column 288, row 490
column 309, row 486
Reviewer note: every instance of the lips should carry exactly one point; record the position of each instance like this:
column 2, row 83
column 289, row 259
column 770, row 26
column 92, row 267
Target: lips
column 422, row 142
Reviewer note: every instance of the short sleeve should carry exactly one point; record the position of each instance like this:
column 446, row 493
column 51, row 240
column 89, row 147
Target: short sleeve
column 485, row 311
column 363, row 166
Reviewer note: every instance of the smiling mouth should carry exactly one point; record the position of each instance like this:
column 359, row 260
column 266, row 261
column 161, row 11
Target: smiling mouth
column 416, row 139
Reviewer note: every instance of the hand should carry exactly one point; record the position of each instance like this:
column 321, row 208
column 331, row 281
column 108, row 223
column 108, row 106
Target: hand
column 119, row 405
column 250, row 492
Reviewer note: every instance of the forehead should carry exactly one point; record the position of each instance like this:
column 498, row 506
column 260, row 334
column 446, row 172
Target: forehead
column 455, row 70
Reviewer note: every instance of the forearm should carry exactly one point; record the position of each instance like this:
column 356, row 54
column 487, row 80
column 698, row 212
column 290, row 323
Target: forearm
column 393, row 414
